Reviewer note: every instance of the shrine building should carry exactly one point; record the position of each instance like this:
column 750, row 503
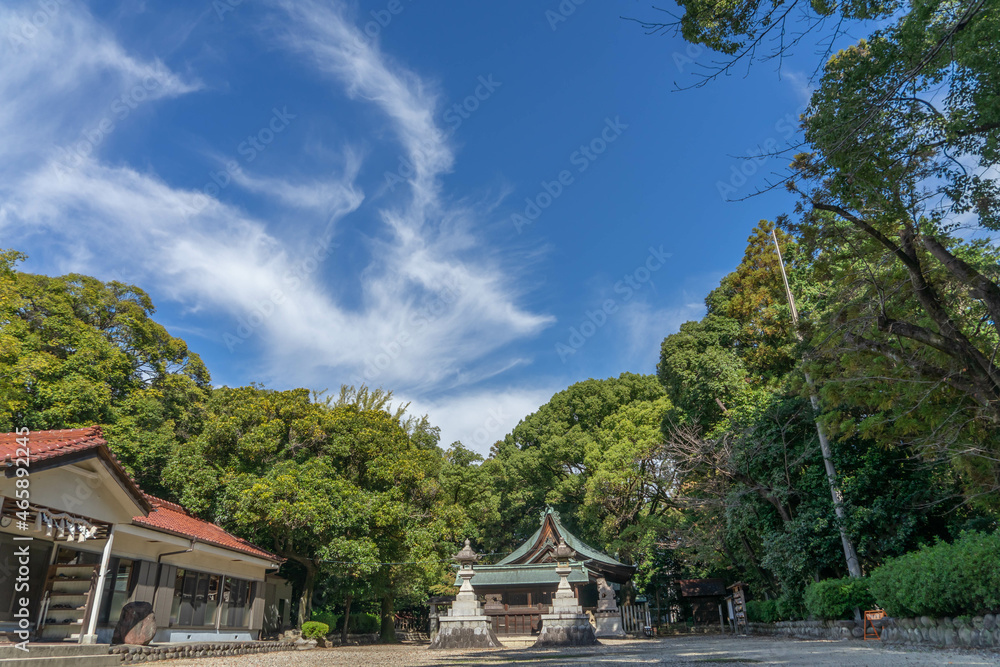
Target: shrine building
column 519, row 588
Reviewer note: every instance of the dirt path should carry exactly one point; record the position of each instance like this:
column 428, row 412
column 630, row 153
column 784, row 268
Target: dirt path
column 690, row 651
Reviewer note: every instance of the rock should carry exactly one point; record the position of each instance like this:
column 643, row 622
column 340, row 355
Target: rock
column 136, row 624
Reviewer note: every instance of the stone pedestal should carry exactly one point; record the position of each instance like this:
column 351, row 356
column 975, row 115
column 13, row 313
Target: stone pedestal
column 465, row 626
column 609, row 623
column 566, row 630
column 465, row 632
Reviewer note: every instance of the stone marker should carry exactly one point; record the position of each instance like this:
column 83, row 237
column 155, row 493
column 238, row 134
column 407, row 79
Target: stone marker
column 465, row 626
column 136, row 625
column 566, row 625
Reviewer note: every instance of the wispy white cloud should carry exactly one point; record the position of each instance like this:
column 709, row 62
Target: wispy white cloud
column 425, row 314
column 481, row 418
column 641, row 328
column 67, row 68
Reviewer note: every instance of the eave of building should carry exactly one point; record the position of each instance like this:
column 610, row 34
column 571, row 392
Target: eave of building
column 491, row 576
column 179, row 541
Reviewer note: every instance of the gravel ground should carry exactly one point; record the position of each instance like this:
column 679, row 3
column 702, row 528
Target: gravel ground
column 688, row 651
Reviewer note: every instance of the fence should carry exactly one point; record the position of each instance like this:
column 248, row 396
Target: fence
column 636, row 619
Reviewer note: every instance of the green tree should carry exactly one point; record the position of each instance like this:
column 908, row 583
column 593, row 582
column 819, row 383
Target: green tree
column 75, row 351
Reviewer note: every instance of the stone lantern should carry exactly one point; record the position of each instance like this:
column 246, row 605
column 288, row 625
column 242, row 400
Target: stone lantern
column 564, row 601
column 465, row 626
column 466, row 603
column 566, row 624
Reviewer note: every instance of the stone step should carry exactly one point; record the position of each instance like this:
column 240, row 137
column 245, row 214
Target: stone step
column 58, row 655
column 517, row 641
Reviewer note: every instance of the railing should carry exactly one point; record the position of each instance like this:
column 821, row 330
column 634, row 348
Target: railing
column 516, row 619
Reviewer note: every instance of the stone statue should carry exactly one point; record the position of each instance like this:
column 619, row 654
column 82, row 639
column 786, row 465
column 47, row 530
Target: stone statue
column 607, row 618
column 606, row 595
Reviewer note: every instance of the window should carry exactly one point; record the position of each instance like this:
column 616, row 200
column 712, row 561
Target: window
column 237, row 597
column 118, row 587
column 195, row 598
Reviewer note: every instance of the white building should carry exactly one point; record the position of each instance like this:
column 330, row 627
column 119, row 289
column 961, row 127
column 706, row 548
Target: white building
column 79, row 539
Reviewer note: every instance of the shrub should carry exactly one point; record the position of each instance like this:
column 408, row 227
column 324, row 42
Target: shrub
column 789, row 605
column 328, row 617
column 361, row 623
column 762, row 611
column 315, row 629
column 835, row 599
column 942, row 580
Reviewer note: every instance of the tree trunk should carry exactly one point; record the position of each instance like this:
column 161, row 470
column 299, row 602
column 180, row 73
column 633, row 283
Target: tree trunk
column 305, row 601
column 347, row 617
column 388, row 633
column 850, row 555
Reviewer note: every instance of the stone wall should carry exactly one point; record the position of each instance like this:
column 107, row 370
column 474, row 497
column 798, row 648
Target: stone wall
column 130, row 653
column 809, row 629
column 968, row 632
column 684, row 629
column 333, row 639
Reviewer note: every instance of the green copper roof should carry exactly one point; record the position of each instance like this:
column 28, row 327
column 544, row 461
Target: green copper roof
column 584, row 551
column 517, row 575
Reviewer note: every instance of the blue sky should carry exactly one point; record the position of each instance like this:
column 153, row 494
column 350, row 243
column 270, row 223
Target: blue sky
column 469, row 203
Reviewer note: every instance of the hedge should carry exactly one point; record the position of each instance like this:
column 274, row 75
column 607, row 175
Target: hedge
column 942, row 580
column 836, row 599
column 315, row 629
column 762, row 611
column 361, row 623
column 330, row 618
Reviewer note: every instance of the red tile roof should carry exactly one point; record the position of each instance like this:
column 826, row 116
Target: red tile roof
column 164, row 516
column 44, row 445
column 172, row 518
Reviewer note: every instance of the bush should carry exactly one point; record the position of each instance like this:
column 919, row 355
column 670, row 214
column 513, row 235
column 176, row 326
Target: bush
column 315, row 629
column 328, row 617
column 762, row 611
column 942, row 580
column 789, row 605
column 835, row 599
column 361, row 623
